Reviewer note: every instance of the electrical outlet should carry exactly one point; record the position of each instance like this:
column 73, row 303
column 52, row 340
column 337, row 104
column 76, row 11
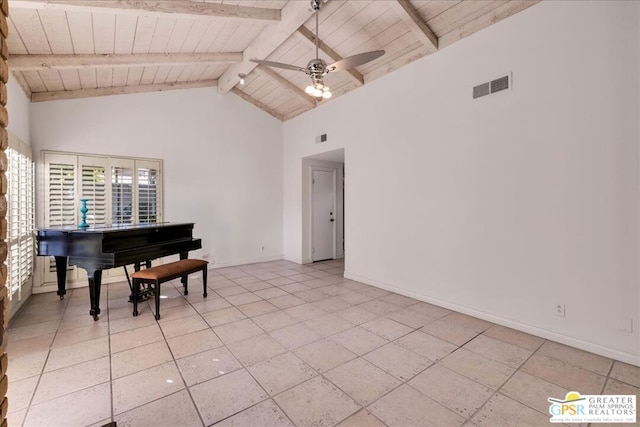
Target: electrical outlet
column 560, row 310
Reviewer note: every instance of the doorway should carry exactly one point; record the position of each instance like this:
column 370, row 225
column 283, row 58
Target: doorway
column 323, row 206
column 323, row 214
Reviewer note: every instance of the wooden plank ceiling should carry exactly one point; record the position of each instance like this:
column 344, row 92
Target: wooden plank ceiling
column 86, row 48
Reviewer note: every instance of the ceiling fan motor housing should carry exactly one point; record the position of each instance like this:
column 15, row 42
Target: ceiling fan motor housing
column 317, row 67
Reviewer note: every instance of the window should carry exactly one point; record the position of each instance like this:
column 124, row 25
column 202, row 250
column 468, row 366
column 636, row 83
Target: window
column 148, row 193
column 121, row 195
column 20, row 216
column 61, row 201
column 93, row 188
column 118, row 191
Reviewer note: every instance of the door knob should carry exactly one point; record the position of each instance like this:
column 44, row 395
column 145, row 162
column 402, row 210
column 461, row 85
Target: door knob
column 332, row 220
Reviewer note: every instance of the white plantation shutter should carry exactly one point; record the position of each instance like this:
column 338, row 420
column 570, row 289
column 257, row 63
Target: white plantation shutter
column 94, row 188
column 20, row 216
column 122, row 191
column 148, row 196
column 61, row 192
column 118, row 190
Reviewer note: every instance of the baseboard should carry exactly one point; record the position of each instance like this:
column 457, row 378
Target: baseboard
column 53, row 287
column 216, row 264
column 623, row 356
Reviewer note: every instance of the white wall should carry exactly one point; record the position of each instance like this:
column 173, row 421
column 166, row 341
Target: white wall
column 507, row 205
column 222, row 160
column 18, row 109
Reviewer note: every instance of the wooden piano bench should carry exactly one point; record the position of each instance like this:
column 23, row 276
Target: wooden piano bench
column 165, row 272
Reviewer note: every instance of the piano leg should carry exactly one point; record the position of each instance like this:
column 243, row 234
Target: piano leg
column 184, row 255
column 61, row 273
column 95, row 279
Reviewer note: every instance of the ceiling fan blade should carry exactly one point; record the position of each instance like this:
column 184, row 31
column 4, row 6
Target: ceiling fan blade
column 355, row 60
column 279, row 65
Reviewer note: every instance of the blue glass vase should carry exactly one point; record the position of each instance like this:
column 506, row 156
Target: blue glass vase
column 83, row 213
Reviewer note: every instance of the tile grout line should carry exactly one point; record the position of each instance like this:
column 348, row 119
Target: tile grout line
column 175, row 361
column 607, row 378
column 358, row 356
column 497, row 390
column 224, row 345
column 406, row 382
column 110, row 356
column 244, row 367
column 33, row 395
column 402, row 382
column 322, row 374
column 110, row 366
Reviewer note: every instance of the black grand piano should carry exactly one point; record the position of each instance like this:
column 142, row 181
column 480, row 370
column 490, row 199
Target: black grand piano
column 98, row 248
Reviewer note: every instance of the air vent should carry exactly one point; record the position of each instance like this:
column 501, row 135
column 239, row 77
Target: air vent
column 500, row 84
column 321, row 138
column 493, row 86
column 481, row 90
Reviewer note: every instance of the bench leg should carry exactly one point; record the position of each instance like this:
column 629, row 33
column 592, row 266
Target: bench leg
column 204, row 281
column 156, row 292
column 157, row 295
column 136, row 289
column 185, row 283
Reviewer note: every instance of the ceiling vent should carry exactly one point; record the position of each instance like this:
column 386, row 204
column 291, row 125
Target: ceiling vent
column 493, row 86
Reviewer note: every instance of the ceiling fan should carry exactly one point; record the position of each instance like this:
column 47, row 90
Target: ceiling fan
column 317, row 68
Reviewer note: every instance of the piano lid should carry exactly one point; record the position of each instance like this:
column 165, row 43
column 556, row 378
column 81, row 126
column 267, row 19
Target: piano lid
column 105, row 228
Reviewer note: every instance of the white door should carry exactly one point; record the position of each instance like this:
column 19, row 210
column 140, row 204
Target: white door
column 323, row 214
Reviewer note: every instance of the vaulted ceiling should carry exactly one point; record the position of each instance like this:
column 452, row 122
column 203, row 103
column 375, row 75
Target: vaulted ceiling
column 86, row 48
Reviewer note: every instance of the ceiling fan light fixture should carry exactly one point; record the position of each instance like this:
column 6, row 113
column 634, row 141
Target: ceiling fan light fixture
column 317, row 88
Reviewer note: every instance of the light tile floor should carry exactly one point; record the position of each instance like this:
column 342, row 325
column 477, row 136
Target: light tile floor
column 280, row 344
